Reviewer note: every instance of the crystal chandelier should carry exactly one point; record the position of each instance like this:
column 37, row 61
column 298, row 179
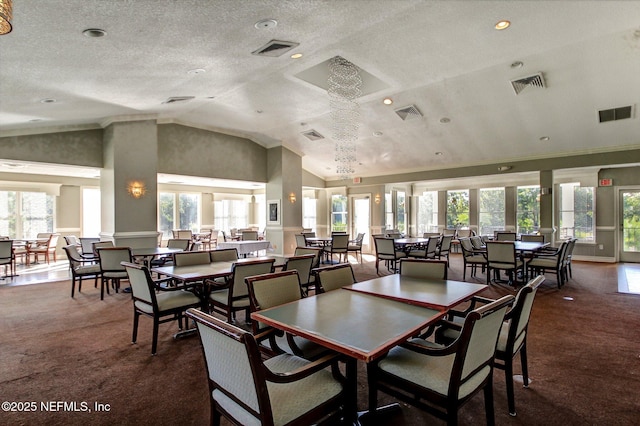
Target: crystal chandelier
column 344, row 88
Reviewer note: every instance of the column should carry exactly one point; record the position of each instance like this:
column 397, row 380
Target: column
column 547, row 227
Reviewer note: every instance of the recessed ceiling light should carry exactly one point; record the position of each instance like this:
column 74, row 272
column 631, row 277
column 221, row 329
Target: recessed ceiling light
column 387, row 101
column 94, row 33
column 259, row 111
column 438, row 153
column 502, row 25
column 266, row 23
column 47, row 101
column 504, row 168
column 377, row 133
column 196, row 71
column 545, row 138
column 445, row 120
column 517, row 64
column 296, row 56
column 35, row 120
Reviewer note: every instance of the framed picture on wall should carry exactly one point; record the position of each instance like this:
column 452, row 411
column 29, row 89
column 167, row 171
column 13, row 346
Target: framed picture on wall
column 273, row 212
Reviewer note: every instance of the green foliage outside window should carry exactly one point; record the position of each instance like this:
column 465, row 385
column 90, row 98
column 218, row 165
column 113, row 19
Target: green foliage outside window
column 631, row 221
column 457, row 209
column 528, row 211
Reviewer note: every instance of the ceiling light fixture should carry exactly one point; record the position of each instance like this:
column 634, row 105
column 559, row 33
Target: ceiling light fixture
column 517, row 64
column 387, row 101
column 296, row 56
column 48, row 101
column 6, row 14
column 504, row 168
column 545, row 138
column 266, row 23
column 377, row 133
column 196, row 71
column 94, row 33
column 502, row 25
column 445, row 120
column 438, row 153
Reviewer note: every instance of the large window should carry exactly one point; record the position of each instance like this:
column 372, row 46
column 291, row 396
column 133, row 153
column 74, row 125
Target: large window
column 427, row 214
column 338, row 213
column 401, row 212
column 178, row 211
column 457, row 209
column 491, row 212
column 309, row 213
column 528, row 210
column 25, row 214
column 576, row 211
column 231, row 214
column 388, row 212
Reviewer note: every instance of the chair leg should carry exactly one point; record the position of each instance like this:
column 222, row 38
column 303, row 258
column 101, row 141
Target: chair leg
column 488, row 402
column 134, row 335
column 73, row 285
column 154, row 344
column 525, row 367
column 508, row 374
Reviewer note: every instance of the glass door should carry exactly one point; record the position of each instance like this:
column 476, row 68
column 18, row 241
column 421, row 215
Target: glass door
column 629, row 220
column 360, row 219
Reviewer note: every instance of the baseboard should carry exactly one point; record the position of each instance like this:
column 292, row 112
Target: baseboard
column 601, row 259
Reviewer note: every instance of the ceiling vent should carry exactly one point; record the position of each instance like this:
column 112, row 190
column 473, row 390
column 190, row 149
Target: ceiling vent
column 174, row 99
column 275, row 48
column 615, row 114
column 535, row 81
column 409, row 112
column 312, row 135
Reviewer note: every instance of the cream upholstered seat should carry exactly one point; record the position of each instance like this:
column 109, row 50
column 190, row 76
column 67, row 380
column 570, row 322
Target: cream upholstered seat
column 278, row 288
column 512, row 338
column 44, row 248
column 339, row 245
column 424, row 268
column 554, row 262
column 386, row 250
column 501, row 255
column 301, row 241
column 440, row 379
column 333, row 277
column 80, row 268
column 355, row 245
column 471, row 258
column 224, row 255
column 235, row 297
column 303, row 264
column 163, row 307
column 191, row 258
column 111, row 269
column 284, row 389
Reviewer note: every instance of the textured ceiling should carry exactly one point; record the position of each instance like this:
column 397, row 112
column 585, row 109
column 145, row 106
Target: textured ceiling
column 444, row 57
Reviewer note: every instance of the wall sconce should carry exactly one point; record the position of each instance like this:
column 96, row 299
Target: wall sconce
column 136, row 189
column 292, row 198
column 376, row 199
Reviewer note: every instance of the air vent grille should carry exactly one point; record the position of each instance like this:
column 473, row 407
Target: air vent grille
column 535, row 81
column 409, row 112
column 312, row 135
column 614, row 114
column 275, row 48
column 175, row 99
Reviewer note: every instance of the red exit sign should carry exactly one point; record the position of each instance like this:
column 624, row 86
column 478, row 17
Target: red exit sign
column 606, row 182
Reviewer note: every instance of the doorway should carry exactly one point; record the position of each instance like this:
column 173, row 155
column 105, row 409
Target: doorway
column 629, row 225
column 360, row 219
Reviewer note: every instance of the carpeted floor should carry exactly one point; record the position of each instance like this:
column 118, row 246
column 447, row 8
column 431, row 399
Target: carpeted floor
column 584, row 359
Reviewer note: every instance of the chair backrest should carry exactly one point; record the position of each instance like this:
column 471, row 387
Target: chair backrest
column 316, row 251
column 334, row 277
column 432, row 246
column 6, row 251
column 96, row 245
column 224, row 255
column 111, row 258
column 476, row 242
column 520, row 313
column 571, row 244
column 309, row 234
column 501, row 252
column 142, row 286
column 359, row 239
column 466, row 246
column 385, row 246
column 242, row 270
column 178, row 243
column 301, row 241
column 183, row 234
column 445, row 243
column 339, row 242
column 465, row 233
column 424, row 268
column 532, row 238
column 43, row 235
column 249, row 235
column 71, row 240
column 449, row 231
column 303, row 264
column 394, row 235
column 506, row 236
column 269, row 290
column 86, row 244
column 71, row 250
column 430, row 234
column 476, row 345
column 191, row 258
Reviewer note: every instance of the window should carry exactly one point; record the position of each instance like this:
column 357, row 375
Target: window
column 388, row 212
column 528, row 209
column 427, row 214
column 25, row 214
column 401, row 211
column 309, row 213
column 91, row 224
column 491, row 211
column 230, row 214
column 178, row 211
column 338, row 213
column 576, row 212
column 261, row 211
column 457, row 209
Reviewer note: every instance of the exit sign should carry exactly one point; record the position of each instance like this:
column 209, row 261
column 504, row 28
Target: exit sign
column 606, row 182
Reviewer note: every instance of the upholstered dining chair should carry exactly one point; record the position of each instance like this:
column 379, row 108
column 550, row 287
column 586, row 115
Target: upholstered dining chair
column 333, row 277
column 440, row 379
column 186, row 258
column 303, row 265
column 163, row 306
column 553, row 262
column 227, row 301
column 111, row 269
column 505, row 236
column 534, row 238
column 471, row 258
column 301, row 241
column 512, row 339
column 282, row 390
column 224, row 255
column 80, row 268
column 423, row 268
column 7, row 258
column 45, row 249
column 249, row 235
column 444, row 247
column 340, row 246
column 386, row 250
column 501, row 255
column 278, row 288
column 355, row 245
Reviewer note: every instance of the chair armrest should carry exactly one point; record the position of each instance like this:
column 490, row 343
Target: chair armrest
column 475, row 300
column 302, row 372
column 425, row 350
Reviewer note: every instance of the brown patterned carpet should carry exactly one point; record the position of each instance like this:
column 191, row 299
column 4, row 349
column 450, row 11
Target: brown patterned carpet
column 584, row 359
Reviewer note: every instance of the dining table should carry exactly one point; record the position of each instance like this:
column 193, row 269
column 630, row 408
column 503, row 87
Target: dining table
column 146, row 254
column 246, row 247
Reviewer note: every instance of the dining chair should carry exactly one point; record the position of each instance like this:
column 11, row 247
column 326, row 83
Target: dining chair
column 303, row 264
column 444, row 247
column 95, row 245
column 355, row 245
column 505, row 236
column 187, row 258
column 339, row 245
column 333, row 277
column 172, row 243
column 151, row 301
column 224, row 255
column 423, row 268
column 477, row 243
column 249, row 236
column 501, row 255
column 440, row 379
column 274, row 289
column 80, row 268
column 471, row 258
column 46, row 249
column 227, row 301
column 111, row 269
column 568, row 257
column 86, row 247
column 284, row 389
column 301, row 240
column 513, row 334
column 7, row 258
column 386, row 250
column 532, row 238
column 553, row 262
